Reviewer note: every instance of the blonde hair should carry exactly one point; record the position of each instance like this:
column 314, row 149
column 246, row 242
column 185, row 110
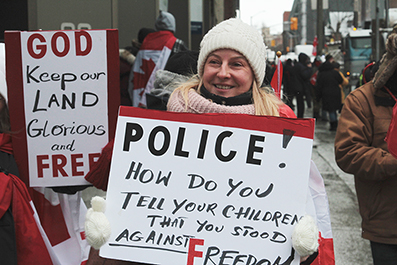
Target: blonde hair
column 265, row 101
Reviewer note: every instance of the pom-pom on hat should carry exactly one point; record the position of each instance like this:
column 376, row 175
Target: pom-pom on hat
column 236, row 35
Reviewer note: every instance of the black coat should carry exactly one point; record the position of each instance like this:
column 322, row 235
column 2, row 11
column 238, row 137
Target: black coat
column 8, row 243
column 289, row 79
column 329, row 91
column 303, row 74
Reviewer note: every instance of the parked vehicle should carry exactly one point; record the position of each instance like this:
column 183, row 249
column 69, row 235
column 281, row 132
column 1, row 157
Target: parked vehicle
column 357, row 48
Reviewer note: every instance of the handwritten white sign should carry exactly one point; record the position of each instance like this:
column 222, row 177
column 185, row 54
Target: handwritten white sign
column 206, row 189
column 65, row 82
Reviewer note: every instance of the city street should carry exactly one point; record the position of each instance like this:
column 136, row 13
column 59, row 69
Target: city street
column 349, row 247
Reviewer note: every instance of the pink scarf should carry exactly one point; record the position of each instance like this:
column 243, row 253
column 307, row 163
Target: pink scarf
column 199, row 104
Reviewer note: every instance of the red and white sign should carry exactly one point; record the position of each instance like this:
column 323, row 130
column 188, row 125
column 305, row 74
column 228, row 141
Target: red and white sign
column 207, row 188
column 63, row 96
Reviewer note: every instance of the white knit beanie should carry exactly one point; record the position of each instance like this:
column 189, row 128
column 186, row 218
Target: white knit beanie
column 236, row 35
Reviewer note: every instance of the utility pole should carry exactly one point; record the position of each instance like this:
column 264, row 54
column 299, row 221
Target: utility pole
column 304, row 22
column 377, row 56
column 320, row 27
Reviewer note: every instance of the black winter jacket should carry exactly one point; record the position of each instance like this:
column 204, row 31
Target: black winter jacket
column 328, row 89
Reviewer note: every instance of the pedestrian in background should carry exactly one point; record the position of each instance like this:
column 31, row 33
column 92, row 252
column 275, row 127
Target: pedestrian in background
column 329, row 58
column 329, row 92
column 127, row 58
column 303, row 71
column 289, row 82
column 153, row 55
column 368, row 73
column 324, row 115
column 344, row 83
column 361, row 149
column 313, row 79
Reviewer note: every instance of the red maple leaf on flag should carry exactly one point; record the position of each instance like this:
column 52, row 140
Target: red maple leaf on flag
column 140, row 80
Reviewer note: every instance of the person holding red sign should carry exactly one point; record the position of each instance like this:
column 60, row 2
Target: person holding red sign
column 231, row 67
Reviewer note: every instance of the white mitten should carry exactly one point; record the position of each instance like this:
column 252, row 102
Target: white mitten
column 97, row 226
column 305, row 236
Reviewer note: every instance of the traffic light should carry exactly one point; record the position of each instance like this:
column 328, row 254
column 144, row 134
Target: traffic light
column 294, row 23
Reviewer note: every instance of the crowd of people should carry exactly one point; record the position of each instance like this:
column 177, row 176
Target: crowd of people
column 315, row 85
column 228, row 75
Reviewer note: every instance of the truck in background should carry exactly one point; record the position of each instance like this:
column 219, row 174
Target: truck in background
column 357, row 47
column 357, row 50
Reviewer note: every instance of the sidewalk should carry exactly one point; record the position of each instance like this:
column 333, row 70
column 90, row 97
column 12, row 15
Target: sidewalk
column 350, row 248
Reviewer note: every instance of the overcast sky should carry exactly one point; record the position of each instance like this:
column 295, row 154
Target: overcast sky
column 265, row 12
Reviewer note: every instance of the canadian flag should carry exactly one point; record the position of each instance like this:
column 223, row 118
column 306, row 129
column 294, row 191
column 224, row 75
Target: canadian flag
column 318, row 208
column 152, row 56
column 277, row 78
column 60, row 218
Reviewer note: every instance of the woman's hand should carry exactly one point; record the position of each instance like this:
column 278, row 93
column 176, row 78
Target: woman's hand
column 305, row 237
column 97, row 226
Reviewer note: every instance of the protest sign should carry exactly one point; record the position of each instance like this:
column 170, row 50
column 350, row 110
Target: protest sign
column 63, row 95
column 206, row 188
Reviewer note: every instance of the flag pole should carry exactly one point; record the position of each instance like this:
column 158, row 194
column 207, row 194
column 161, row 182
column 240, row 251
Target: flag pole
column 277, row 78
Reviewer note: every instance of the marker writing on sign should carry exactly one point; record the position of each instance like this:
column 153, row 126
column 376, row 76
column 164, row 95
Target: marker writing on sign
column 287, row 136
column 216, row 256
column 160, row 139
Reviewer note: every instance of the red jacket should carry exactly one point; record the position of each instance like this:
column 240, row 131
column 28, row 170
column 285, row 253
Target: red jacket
column 30, row 246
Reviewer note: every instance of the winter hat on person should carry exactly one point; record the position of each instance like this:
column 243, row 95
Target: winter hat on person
column 183, row 63
column 303, row 58
column 165, row 21
column 388, row 63
column 236, row 35
column 143, row 32
column 328, row 57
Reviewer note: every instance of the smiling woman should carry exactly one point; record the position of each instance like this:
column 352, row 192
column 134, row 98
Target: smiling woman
column 231, row 68
column 227, row 73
